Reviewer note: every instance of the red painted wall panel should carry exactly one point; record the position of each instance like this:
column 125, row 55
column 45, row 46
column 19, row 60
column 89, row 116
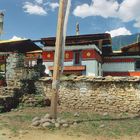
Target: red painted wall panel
column 68, row 55
column 118, row 60
column 48, row 56
column 91, row 54
column 121, row 73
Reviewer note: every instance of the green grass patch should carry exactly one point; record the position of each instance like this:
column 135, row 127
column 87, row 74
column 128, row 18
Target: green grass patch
column 98, row 125
column 88, row 123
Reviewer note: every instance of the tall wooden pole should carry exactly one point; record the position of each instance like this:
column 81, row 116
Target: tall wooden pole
column 58, row 50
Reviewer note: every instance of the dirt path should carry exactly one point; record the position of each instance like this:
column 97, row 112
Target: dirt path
column 39, row 135
column 42, row 135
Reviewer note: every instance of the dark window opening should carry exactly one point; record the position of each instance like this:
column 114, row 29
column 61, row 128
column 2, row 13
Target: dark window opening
column 137, row 64
column 77, row 57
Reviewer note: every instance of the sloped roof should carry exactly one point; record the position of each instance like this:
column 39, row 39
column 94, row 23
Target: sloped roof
column 135, row 47
column 21, row 46
column 80, row 39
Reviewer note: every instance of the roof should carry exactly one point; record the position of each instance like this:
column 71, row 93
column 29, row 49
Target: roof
column 21, row 46
column 122, row 54
column 129, row 50
column 135, row 47
column 80, row 39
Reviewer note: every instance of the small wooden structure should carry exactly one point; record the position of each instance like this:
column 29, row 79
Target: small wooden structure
column 10, row 47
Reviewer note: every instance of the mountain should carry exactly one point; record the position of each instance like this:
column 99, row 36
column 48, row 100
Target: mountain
column 123, row 40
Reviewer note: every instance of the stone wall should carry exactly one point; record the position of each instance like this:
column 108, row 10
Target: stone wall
column 14, row 60
column 9, row 98
column 96, row 94
column 20, row 82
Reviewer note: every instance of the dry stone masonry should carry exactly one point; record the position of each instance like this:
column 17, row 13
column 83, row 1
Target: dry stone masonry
column 118, row 94
column 14, row 61
column 15, row 72
column 20, row 81
column 101, row 94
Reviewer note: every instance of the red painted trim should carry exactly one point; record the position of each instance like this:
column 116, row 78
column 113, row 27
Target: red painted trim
column 91, row 54
column 118, row 60
column 73, row 72
column 33, row 55
column 2, row 61
column 68, row 56
column 48, row 56
column 121, row 73
column 71, row 68
column 2, row 57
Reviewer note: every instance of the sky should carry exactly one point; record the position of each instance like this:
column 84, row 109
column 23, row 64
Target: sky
column 35, row 19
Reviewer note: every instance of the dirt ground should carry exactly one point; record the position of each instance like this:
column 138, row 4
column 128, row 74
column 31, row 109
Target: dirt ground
column 15, row 125
column 41, row 135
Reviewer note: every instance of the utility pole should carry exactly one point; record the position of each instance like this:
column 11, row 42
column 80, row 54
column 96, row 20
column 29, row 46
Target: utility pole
column 58, row 53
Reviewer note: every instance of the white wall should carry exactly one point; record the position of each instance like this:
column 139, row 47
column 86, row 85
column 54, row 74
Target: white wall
column 100, row 69
column 118, row 67
column 91, row 67
column 47, row 64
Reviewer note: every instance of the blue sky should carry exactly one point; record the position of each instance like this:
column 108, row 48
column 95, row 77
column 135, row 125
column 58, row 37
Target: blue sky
column 37, row 19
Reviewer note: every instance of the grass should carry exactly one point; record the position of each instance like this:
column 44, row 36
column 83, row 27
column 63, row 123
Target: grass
column 14, row 129
column 89, row 123
column 98, row 125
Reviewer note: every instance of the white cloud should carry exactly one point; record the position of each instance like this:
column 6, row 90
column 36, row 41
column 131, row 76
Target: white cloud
column 119, row 31
column 34, row 9
column 39, row 1
column 39, row 7
column 53, row 5
column 127, row 11
column 17, row 38
column 83, row 11
column 104, row 8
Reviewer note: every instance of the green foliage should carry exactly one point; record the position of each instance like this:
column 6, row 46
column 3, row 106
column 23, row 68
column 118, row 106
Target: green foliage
column 1, row 109
column 2, row 77
column 28, row 86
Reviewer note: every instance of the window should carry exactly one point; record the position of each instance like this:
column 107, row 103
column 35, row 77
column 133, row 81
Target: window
column 137, row 64
column 77, row 57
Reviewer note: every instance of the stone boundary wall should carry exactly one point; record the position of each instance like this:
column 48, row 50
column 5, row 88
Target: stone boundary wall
column 110, row 94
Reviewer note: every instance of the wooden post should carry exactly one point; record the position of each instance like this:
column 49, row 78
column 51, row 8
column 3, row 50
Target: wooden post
column 58, row 50
column 100, row 44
